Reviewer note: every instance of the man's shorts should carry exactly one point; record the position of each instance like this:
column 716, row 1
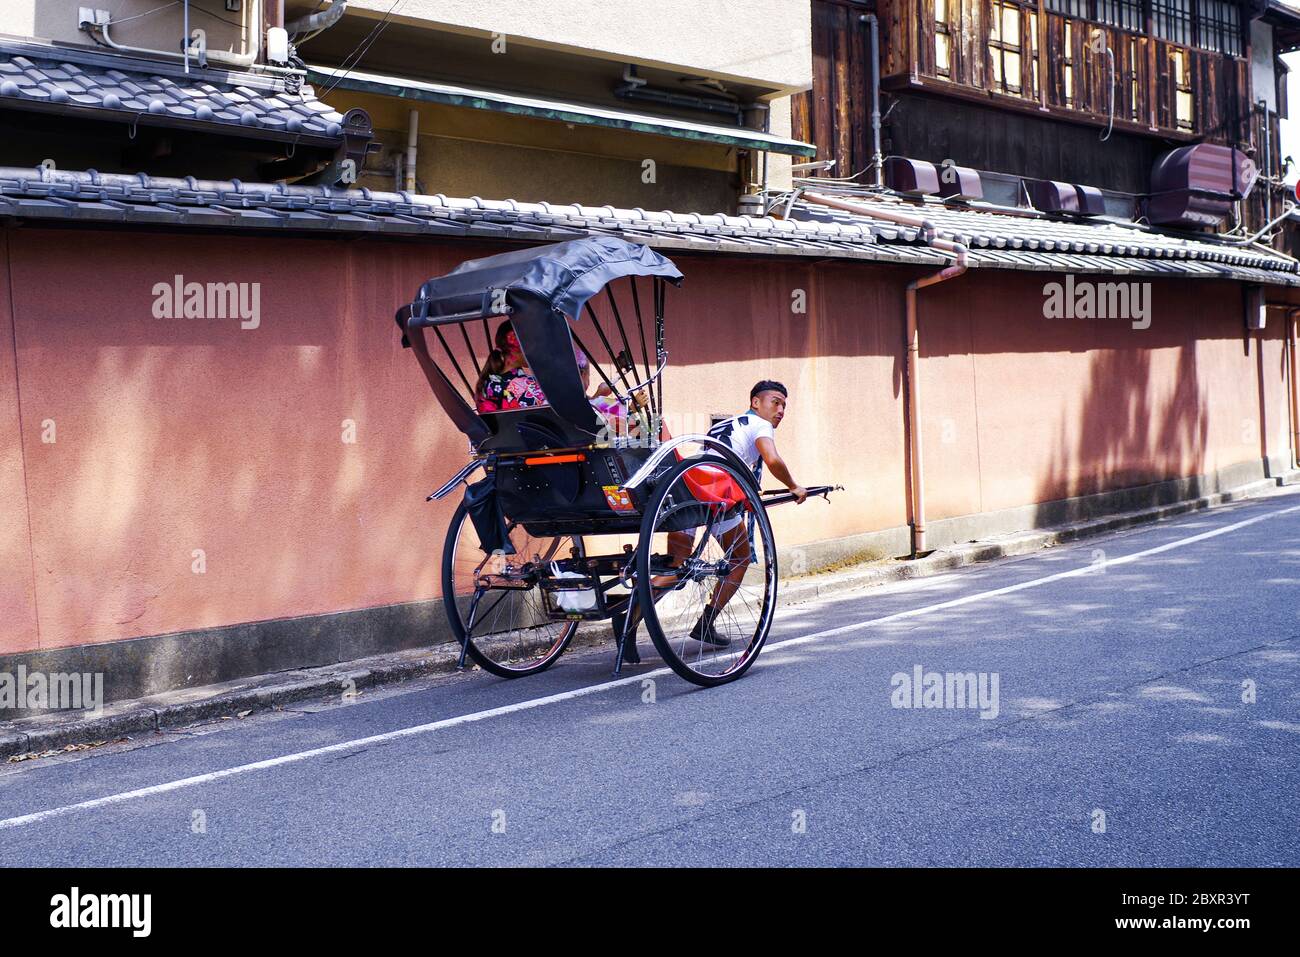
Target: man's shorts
column 727, row 524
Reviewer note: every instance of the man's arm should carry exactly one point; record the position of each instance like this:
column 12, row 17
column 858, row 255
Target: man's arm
column 776, row 465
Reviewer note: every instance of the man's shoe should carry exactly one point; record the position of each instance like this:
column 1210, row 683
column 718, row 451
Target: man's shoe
column 704, row 632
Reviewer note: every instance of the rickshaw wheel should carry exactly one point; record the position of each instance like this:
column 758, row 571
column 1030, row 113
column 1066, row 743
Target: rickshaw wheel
column 674, row 591
column 511, row 635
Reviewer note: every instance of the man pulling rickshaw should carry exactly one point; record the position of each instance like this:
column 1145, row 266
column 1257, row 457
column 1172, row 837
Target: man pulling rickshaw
column 572, row 521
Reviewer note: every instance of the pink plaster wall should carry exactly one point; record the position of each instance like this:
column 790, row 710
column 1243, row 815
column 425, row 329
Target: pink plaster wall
column 17, row 597
column 176, row 435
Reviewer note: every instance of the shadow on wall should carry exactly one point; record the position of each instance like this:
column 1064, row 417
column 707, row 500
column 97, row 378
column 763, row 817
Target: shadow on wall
column 296, row 456
column 1130, row 430
column 198, row 474
column 204, row 474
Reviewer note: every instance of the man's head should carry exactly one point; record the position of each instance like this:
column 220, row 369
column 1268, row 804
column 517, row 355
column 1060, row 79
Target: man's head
column 767, row 399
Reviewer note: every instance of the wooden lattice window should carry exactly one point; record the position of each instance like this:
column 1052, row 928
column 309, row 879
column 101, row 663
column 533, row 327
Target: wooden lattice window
column 1033, row 52
column 1067, row 63
column 1172, row 20
column 1184, row 105
column 942, row 39
column 1070, row 8
column 1135, row 99
column 1218, row 26
column 1004, row 45
column 1125, row 14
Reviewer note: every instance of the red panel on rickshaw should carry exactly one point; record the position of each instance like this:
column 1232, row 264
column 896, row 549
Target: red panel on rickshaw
column 710, row 484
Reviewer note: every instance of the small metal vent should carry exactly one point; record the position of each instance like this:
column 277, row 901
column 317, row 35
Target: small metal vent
column 913, row 177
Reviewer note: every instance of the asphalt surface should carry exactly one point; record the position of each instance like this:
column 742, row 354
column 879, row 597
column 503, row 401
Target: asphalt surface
column 1120, row 693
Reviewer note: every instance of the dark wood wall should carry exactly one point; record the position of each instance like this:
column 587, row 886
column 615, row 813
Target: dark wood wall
column 935, row 128
column 836, row 113
column 1039, row 129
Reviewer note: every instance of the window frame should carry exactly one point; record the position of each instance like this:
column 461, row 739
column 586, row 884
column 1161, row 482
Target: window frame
column 1220, row 25
column 999, row 48
column 943, row 28
column 1209, row 25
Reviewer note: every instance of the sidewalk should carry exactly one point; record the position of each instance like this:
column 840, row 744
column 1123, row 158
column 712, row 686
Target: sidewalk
column 178, row 709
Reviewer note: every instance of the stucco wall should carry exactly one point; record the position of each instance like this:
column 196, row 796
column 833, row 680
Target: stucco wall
column 184, row 435
column 461, row 167
column 767, row 42
column 17, row 603
column 161, row 29
column 1021, row 409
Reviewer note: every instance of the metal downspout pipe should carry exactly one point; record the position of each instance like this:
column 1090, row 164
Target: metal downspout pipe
column 877, row 159
column 916, row 470
column 1295, row 396
column 917, row 475
column 412, row 149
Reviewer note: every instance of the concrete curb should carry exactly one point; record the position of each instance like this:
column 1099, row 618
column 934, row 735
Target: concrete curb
column 28, row 736
column 1020, row 543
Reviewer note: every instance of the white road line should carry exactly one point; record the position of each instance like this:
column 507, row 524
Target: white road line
column 329, row 749
column 197, row 779
column 1072, row 573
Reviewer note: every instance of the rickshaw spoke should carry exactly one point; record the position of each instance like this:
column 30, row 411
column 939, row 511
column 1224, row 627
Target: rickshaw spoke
column 714, row 624
column 510, row 633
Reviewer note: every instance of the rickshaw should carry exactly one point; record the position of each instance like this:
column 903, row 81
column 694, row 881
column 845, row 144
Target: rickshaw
column 579, row 515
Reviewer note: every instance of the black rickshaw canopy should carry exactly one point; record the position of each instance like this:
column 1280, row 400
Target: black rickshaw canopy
column 564, row 276
column 536, row 289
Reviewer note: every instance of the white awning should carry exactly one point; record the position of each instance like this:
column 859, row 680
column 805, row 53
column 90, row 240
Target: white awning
column 562, row 111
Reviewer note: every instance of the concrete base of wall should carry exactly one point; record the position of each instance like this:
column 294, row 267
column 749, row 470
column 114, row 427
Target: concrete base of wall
column 139, row 667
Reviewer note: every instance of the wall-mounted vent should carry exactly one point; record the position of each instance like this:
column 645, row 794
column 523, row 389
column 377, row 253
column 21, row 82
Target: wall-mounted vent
column 913, row 177
column 1091, row 202
column 1196, row 185
column 960, row 182
column 1051, row 196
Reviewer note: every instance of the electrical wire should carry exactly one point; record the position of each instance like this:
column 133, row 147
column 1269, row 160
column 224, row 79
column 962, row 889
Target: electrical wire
column 360, row 50
column 137, row 16
column 168, row 6
column 209, row 13
column 1110, row 113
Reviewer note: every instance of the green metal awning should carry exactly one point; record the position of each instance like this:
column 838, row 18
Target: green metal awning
column 564, row 112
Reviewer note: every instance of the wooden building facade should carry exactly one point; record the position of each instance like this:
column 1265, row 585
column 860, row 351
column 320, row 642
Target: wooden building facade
column 1086, row 91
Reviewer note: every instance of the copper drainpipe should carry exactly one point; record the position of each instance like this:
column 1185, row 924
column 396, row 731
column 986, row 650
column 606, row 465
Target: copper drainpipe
column 930, row 234
column 1295, row 399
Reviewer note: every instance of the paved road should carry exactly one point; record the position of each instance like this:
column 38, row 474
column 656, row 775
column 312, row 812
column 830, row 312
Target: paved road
column 1120, row 692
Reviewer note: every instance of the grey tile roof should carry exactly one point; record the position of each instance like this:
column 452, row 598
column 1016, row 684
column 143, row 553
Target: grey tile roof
column 1030, row 240
column 156, row 93
column 996, row 241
